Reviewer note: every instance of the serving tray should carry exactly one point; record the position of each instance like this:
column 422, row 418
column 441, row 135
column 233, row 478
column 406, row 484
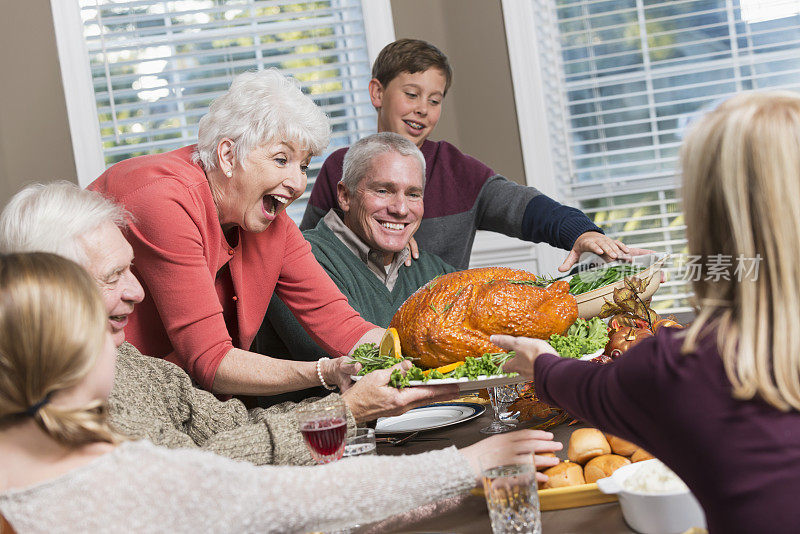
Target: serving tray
column 568, row 497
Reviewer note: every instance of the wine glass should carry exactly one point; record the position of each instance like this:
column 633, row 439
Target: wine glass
column 324, row 426
column 500, row 397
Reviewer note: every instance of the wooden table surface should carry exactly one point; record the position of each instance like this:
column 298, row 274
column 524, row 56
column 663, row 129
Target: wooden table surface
column 468, row 514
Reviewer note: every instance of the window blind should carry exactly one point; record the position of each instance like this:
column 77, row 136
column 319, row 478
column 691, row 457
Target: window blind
column 624, row 77
column 157, row 65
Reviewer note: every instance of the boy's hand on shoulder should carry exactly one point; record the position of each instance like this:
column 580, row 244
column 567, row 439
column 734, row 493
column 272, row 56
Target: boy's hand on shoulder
column 414, row 248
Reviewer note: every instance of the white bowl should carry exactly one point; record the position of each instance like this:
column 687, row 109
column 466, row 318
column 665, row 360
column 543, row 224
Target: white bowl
column 653, row 513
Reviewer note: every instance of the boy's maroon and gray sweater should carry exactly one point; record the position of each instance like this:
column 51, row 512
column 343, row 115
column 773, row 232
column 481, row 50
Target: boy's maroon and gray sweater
column 463, row 195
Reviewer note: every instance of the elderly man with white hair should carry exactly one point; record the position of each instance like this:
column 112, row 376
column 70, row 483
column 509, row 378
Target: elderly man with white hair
column 363, row 246
column 154, row 399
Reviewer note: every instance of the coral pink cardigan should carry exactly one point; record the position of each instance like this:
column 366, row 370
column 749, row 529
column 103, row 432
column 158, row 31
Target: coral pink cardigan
column 195, row 310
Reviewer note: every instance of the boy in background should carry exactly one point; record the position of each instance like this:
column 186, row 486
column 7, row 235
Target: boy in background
column 410, row 79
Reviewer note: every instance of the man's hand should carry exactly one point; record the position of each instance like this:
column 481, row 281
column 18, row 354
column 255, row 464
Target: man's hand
column 372, row 397
column 526, row 349
column 412, row 246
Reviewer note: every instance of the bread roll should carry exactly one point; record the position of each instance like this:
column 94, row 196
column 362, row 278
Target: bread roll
column 641, row 455
column 564, row 474
column 585, row 444
column 620, row 446
column 602, row 466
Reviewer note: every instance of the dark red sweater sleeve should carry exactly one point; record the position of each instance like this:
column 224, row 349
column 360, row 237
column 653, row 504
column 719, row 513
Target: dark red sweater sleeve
column 623, row 397
column 739, row 457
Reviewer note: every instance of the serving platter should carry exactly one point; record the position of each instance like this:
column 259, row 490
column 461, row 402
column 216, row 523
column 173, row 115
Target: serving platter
column 466, row 384
column 430, row 417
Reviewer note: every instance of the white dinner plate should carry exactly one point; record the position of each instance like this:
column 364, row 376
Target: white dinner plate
column 465, row 384
column 429, row 417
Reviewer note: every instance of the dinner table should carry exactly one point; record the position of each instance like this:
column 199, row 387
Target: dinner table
column 468, row 513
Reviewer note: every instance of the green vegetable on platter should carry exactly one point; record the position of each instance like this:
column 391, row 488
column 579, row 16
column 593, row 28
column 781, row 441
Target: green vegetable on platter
column 583, row 337
column 487, row 365
column 596, row 278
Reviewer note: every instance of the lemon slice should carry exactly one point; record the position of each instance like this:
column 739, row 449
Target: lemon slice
column 445, row 368
column 390, row 344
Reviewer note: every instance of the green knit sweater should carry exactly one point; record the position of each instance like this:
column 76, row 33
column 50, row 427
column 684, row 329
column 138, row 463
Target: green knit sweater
column 155, row 400
column 283, row 336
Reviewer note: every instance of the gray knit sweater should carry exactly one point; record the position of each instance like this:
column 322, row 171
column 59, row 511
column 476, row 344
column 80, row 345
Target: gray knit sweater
column 155, row 400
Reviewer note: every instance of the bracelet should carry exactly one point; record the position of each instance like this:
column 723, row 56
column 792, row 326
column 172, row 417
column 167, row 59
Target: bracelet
column 319, row 375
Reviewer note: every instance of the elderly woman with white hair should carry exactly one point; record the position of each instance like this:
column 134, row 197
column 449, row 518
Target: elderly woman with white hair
column 212, row 242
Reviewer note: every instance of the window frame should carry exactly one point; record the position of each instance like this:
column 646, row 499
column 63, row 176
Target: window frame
column 76, row 76
column 529, row 97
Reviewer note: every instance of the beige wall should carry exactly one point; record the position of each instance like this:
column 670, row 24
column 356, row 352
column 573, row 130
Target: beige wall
column 34, row 132
column 479, row 114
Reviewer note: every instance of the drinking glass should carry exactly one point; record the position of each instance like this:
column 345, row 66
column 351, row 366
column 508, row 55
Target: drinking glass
column 500, row 397
column 511, row 494
column 324, row 426
column 362, row 442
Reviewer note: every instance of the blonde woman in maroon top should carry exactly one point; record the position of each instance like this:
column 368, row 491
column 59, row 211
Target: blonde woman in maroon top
column 212, row 242
column 719, row 402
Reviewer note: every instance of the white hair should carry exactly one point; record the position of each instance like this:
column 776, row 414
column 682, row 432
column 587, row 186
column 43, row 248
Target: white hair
column 54, row 218
column 358, row 159
column 261, row 107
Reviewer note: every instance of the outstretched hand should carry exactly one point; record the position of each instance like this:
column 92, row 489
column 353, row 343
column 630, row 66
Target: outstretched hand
column 373, row 397
column 526, row 349
column 516, row 447
column 602, row 245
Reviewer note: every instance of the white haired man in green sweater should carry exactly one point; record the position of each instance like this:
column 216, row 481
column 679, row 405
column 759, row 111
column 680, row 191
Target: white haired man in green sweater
column 154, row 399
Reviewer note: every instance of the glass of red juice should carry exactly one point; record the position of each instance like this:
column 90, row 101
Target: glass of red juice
column 324, row 426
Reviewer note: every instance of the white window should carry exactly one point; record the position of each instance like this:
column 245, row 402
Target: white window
column 139, row 74
column 605, row 89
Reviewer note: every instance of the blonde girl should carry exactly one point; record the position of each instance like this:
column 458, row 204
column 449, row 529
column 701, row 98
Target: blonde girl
column 56, row 358
column 741, row 191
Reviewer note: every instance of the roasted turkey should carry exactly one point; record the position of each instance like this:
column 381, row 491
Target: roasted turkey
column 452, row 316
